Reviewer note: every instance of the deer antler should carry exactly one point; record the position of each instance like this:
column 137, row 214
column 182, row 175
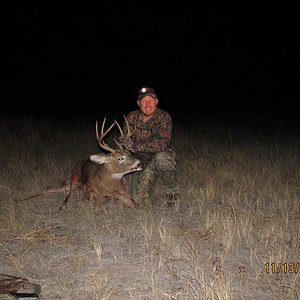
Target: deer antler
column 102, row 135
column 124, row 141
column 129, row 133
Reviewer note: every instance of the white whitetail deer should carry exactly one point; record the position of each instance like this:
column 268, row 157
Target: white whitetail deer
column 100, row 176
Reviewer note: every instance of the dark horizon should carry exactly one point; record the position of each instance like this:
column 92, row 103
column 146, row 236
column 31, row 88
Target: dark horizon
column 209, row 58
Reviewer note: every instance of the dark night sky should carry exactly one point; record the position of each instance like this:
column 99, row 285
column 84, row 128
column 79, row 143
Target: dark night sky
column 225, row 56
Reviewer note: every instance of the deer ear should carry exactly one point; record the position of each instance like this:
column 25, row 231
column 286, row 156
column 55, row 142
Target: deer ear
column 98, row 159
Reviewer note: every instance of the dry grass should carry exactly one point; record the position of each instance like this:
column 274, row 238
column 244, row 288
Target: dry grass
column 238, row 212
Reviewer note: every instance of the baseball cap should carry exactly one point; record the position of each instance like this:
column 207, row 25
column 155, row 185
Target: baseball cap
column 146, row 91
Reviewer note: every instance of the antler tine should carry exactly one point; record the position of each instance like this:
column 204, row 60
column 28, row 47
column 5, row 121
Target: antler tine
column 122, row 134
column 102, row 128
column 120, row 129
column 118, row 144
column 129, row 133
column 100, row 141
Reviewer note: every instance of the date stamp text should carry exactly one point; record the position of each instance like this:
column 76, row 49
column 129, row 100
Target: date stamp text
column 281, row 267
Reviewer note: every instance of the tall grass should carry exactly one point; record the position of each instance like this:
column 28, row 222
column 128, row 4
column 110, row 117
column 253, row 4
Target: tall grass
column 237, row 214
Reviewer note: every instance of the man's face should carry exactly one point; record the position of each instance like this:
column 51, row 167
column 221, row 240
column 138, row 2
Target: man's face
column 148, row 105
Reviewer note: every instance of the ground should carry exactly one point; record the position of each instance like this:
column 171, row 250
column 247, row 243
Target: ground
column 233, row 233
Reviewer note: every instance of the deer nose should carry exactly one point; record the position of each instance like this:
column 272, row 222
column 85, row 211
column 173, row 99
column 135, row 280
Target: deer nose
column 137, row 166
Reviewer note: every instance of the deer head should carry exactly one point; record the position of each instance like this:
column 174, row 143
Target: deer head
column 119, row 161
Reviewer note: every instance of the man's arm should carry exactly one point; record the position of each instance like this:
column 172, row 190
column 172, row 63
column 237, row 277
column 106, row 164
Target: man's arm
column 160, row 138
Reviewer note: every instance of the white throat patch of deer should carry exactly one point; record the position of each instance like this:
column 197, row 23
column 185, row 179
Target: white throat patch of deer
column 100, row 175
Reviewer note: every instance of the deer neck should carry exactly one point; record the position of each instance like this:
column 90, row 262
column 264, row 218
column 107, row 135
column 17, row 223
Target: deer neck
column 111, row 179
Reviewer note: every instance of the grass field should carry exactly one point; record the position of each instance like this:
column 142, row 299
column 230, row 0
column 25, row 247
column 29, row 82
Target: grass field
column 233, row 234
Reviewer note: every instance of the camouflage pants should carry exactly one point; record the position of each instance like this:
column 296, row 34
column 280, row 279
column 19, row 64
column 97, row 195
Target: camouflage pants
column 160, row 167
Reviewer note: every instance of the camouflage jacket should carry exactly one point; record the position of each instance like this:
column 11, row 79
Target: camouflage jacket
column 153, row 135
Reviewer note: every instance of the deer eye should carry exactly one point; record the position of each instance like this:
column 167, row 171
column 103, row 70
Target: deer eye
column 120, row 158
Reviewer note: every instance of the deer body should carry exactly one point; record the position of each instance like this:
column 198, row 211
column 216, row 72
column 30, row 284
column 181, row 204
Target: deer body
column 100, row 176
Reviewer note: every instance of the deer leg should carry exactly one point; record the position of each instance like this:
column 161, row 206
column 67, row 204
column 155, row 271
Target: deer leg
column 122, row 195
column 66, row 199
column 92, row 196
column 89, row 194
column 72, row 185
column 45, row 193
column 127, row 200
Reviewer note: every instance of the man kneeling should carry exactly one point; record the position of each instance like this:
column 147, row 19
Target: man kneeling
column 152, row 129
